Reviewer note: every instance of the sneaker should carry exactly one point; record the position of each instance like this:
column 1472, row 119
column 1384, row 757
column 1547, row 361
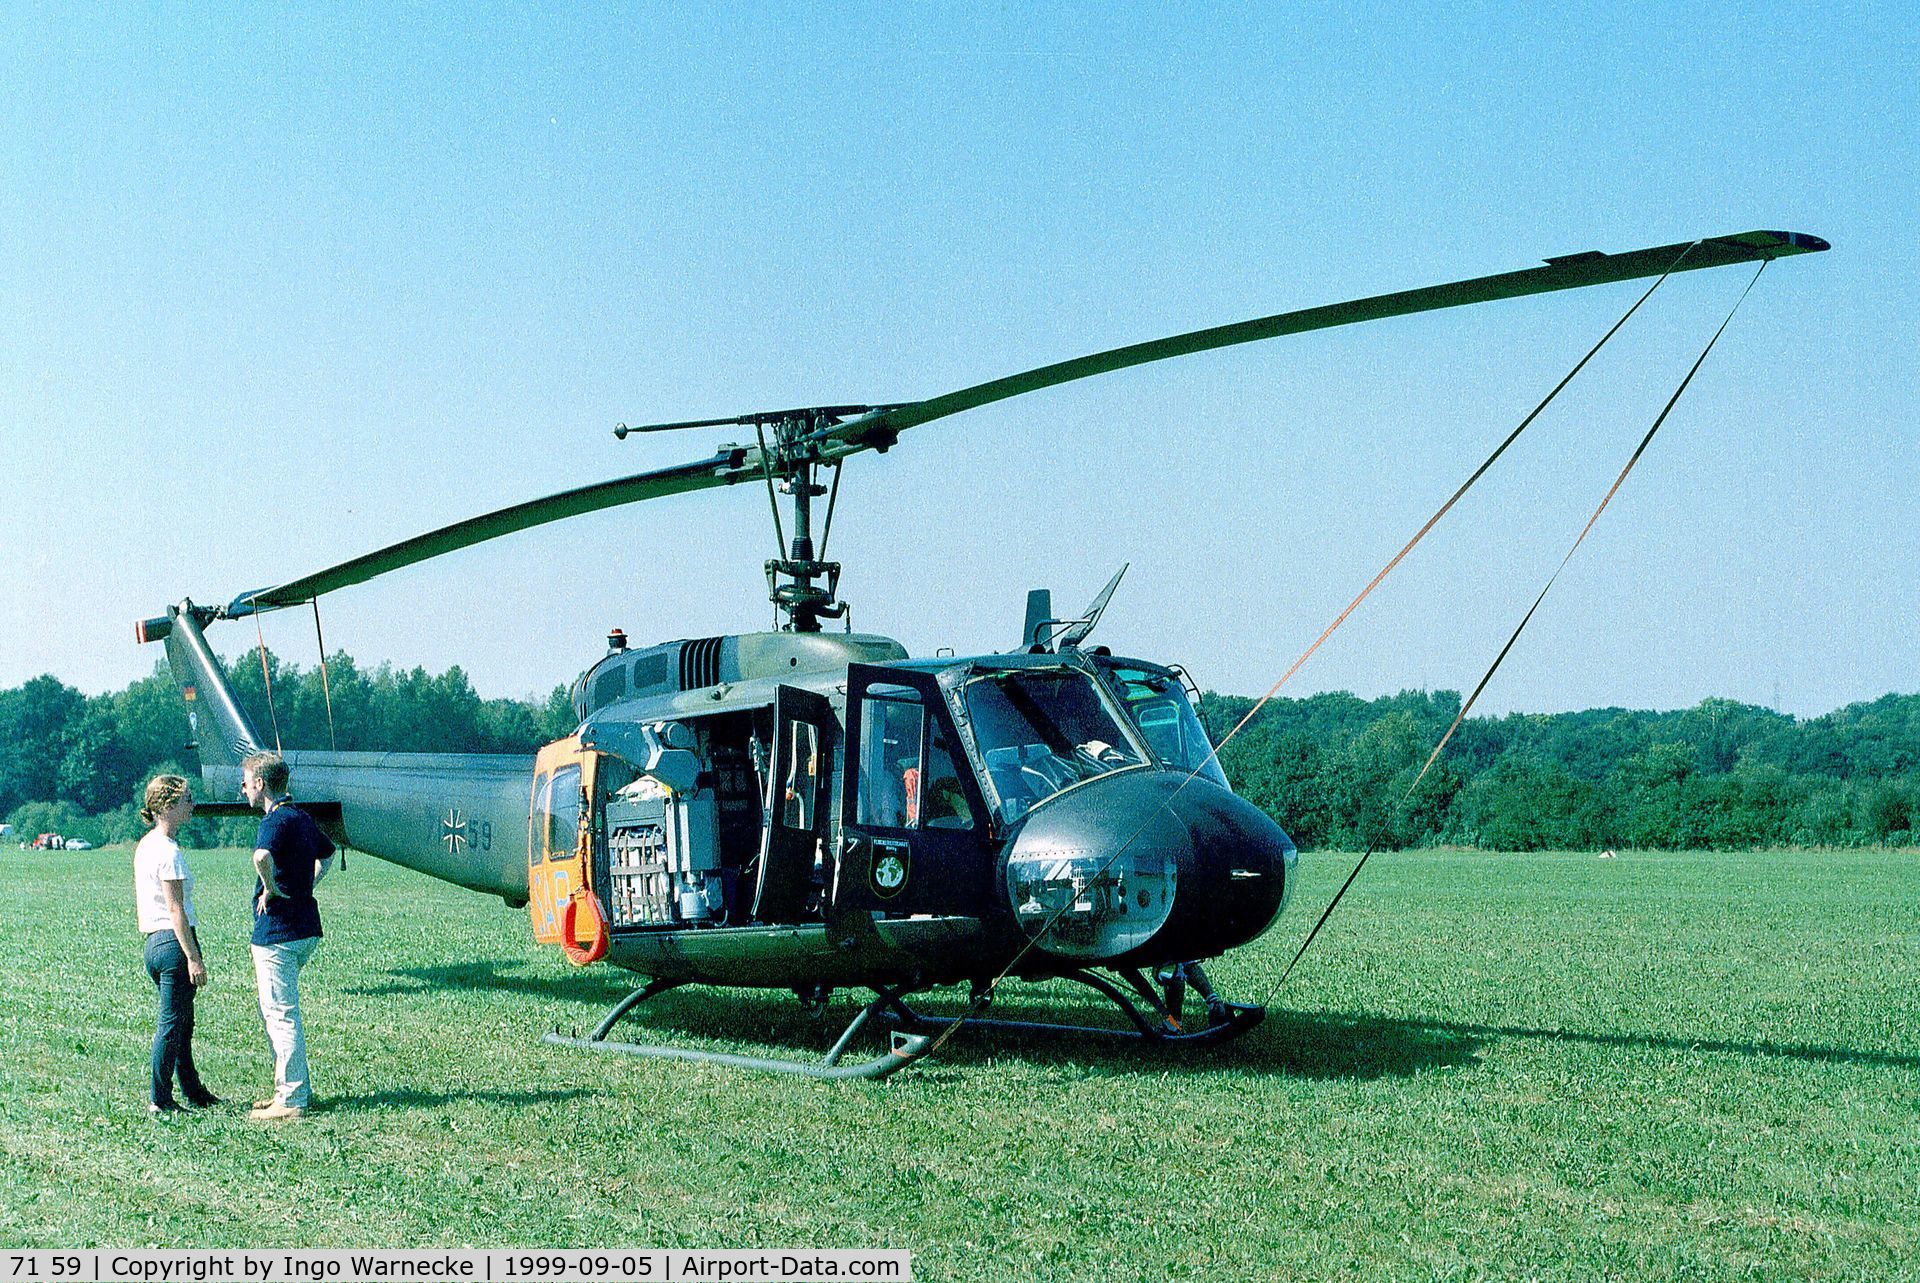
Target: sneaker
column 156, row 1108
column 272, row 1113
column 265, row 1102
column 205, row 1100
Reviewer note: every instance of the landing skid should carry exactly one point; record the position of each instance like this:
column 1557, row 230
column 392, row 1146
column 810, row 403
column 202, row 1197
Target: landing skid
column 905, row 1048
column 916, row 1035
column 1162, row 1029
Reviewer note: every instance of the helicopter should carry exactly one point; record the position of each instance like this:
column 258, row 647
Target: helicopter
column 809, row 810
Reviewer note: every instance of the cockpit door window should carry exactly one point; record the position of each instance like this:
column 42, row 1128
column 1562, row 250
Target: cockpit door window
column 892, row 757
column 912, row 816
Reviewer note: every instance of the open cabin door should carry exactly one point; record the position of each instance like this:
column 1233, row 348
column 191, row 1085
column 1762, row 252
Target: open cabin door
column 914, row 834
column 559, row 845
column 799, row 793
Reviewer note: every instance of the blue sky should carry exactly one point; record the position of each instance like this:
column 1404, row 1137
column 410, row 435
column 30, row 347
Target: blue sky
column 278, row 288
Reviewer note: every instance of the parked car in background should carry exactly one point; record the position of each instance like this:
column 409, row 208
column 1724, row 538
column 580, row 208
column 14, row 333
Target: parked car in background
column 79, row 844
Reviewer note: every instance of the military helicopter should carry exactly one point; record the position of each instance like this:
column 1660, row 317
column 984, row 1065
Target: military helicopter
column 806, row 810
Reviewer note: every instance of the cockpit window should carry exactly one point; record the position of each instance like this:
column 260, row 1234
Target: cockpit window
column 563, row 813
column 891, row 726
column 1159, row 707
column 1041, row 730
column 908, row 775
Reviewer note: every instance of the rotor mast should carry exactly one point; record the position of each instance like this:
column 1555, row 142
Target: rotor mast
column 800, row 583
column 805, row 602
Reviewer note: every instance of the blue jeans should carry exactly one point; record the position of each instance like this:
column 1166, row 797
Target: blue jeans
column 173, row 1034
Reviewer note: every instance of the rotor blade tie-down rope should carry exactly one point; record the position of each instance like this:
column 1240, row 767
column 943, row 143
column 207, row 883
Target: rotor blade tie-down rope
column 1448, row 505
column 1467, row 706
column 1213, row 753
column 326, row 688
column 266, row 679
column 326, row 692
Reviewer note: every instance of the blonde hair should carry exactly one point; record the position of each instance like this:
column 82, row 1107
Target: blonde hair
column 162, row 792
column 270, row 769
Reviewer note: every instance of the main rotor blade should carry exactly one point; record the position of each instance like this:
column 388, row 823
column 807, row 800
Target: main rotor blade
column 1575, row 271
column 722, row 469
column 879, row 428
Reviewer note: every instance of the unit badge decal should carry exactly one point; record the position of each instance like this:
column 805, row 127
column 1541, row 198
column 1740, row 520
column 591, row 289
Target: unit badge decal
column 889, row 871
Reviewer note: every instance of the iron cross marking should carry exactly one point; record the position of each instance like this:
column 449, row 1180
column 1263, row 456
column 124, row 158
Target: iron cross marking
column 453, row 830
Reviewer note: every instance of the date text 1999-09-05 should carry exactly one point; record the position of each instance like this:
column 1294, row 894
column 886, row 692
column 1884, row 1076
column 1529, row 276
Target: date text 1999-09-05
column 465, row 1265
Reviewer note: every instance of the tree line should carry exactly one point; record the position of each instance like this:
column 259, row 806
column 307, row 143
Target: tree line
column 74, row 764
column 1333, row 769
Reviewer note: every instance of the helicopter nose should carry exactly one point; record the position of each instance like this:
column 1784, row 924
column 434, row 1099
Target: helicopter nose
column 1146, row 866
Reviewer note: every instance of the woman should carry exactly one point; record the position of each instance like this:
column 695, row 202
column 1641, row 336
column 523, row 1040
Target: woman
column 163, row 890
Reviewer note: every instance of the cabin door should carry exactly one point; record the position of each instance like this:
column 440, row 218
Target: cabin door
column 559, row 850
column 913, row 834
column 799, row 791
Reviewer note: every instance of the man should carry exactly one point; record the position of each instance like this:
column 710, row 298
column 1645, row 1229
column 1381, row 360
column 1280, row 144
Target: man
column 291, row 855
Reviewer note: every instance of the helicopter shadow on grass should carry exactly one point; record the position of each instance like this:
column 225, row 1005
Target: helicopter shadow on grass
column 500, row 975
column 1324, row 1045
column 1358, row 1045
column 1285, row 1044
column 1306, row 1044
column 766, row 1024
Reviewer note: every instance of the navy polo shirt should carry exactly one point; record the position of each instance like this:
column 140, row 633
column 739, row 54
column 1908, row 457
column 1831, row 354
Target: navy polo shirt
column 294, row 841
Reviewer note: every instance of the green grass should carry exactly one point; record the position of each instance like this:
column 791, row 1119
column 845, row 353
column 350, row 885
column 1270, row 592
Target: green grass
column 1692, row 1066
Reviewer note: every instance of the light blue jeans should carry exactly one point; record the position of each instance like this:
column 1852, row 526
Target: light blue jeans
column 276, row 969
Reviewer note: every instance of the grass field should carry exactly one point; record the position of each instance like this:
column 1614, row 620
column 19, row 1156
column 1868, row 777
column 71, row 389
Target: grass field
column 1689, row 1066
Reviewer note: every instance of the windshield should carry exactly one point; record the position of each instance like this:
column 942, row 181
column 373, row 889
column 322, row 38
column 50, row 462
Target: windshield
column 1159, row 707
column 1041, row 730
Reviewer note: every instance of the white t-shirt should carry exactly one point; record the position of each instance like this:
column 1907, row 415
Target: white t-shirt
column 157, row 859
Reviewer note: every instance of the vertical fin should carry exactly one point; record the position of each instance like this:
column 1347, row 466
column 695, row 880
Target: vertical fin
column 221, row 731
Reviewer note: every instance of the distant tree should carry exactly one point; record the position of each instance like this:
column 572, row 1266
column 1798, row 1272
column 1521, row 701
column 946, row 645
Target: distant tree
column 34, row 719
column 152, row 721
column 1888, row 810
column 31, row 819
column 557, row 719
column 1285, row 778
column 96, row 771
column 1368, row 783
column 1526, row 804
